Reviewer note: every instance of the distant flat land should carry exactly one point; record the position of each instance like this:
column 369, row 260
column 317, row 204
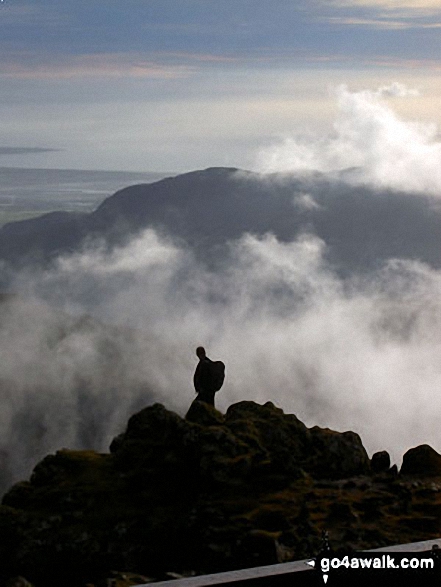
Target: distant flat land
column 26, row 193
column 15, row 216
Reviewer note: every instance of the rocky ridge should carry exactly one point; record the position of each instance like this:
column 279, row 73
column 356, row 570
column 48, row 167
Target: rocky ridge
column 209, row 493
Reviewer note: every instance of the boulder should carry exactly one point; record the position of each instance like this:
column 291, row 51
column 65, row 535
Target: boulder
column 380, row 462
column 290, row 447
column 422, row 460
column 204, row 414
column 336, row 455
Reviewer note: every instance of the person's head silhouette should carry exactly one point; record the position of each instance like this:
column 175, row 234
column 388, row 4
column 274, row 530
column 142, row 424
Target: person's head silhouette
column 200, row 351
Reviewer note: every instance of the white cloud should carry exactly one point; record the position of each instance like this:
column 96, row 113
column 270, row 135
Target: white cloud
column 431, row 5
column 306, row 202
column 360, row 355
column 396, row 90
column 383, row 23
column 217, row 120
column 141, row 253
column 387, row 151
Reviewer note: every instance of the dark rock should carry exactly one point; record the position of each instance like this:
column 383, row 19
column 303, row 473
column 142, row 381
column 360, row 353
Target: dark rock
column 337, row 455
column 126, row 579
column 350, row 484
column 373, row 536
column 422, row 460
column 351, row 536
column 403, row 498
column 342, row 512
column 271, row 519
column 293, row 447
column 204, row 414
column 424, row 524
column 393, row 471
column 380, row 462
column 18, row 582
column 116, row 443
column 154, row 423
column 207, row 493
column 370, row 508
column 257, row 547
column 19, row 494
column 288, row 544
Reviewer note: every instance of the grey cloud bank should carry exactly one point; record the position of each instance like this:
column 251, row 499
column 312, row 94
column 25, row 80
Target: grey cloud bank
column 360, row 354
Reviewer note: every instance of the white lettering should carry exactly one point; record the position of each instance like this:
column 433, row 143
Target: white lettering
column 390, row 562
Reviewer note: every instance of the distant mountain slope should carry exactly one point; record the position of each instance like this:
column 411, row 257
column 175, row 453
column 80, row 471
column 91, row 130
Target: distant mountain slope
column 206, row 206
column 361, row 226
column 40, row 238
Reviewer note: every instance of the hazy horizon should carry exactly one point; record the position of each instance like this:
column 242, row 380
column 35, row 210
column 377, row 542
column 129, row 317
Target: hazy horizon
column 163, row 85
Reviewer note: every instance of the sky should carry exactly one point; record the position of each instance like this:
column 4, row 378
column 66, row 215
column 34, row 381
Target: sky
column 176, row 85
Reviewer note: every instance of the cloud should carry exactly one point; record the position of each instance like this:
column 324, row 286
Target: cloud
column 152, row 65
column 395, row 62
column 360, row 354
column 199, row 57
column 386, row 14
column 369, row 138
column 25, row 150
column 108, row 65
column 26, row 14
column 382, row 23
column 306, row 202
column 427, row 5
column 378, row 61
column 396, row 90
column 139, row 254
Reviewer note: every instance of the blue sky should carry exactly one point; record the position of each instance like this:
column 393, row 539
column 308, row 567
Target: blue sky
column 171, row 85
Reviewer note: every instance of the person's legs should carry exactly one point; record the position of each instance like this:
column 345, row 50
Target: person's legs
column 207, row 397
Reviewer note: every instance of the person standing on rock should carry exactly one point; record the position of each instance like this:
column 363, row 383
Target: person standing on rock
column 208, row 377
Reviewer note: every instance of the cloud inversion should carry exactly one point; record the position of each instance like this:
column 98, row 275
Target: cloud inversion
column 386, row 151
column 359, row 354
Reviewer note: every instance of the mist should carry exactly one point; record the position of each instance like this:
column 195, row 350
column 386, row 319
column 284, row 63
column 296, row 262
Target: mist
column 102, row 332
column 378, row 147
column 359, row 354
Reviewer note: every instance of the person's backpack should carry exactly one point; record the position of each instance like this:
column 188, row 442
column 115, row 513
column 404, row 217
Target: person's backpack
column 217, row 374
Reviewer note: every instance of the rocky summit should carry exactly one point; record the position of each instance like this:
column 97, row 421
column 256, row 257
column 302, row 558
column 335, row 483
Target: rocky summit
column 209, row 493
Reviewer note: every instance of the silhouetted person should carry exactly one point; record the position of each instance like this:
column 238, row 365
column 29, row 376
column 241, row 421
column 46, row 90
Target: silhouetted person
column 203, row 378
column 208, row 377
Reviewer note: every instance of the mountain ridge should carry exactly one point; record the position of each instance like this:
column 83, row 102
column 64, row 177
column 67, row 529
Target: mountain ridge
column 361, row 226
